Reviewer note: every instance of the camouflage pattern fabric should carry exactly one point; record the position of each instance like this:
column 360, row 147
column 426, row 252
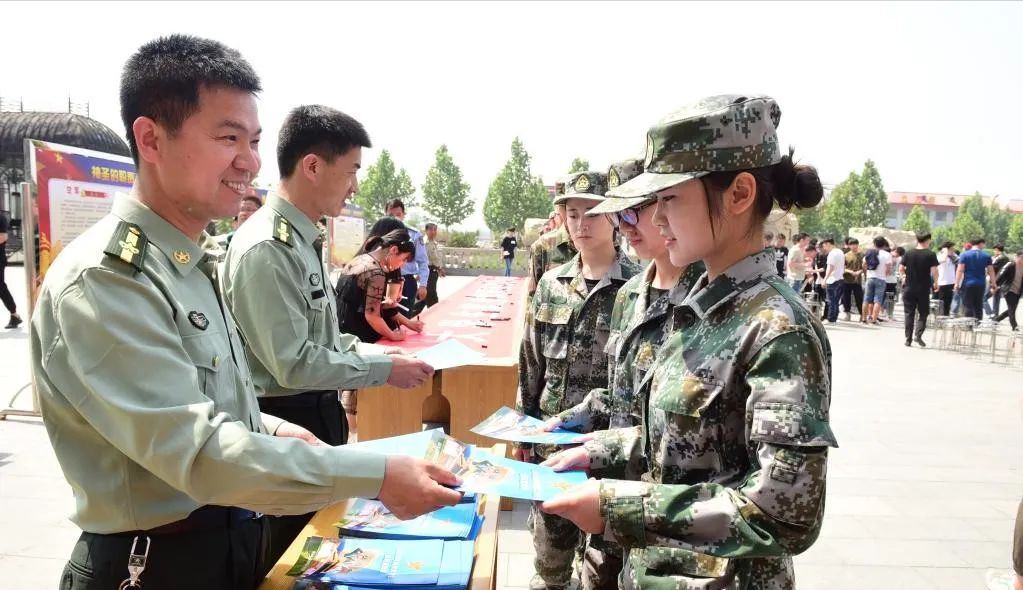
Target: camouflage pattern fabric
column 584, row 185
column 549, row 251
column 718, row 133
column 735, row 435
column 556, row 541
column 617, row 174
column 638, row 328
column 562, row 357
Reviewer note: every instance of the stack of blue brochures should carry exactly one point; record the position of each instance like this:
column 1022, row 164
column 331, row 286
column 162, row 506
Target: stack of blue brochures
column 384, row 564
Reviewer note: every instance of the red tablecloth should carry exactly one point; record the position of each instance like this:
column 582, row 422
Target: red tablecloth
column 494, row 301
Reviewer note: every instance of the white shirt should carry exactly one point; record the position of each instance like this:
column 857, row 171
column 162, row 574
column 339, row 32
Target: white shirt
column 947, row 271
column 884, row 263
column 836, row 260
column 894, row 270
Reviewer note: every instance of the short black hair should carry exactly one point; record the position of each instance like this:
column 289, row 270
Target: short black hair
column 852, row 242
column 880, row 242
column 921, row 238
column 768, row 236
column 429, row 226
column 900, row 250
column 779, row 237
column 394, row 203
column 827, row 241
column 163, row 78
column 512, row 229
column 254, row 199
column 998, row 247
column 320, row 130
column 978, row 242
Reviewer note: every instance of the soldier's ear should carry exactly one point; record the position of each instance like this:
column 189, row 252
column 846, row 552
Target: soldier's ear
column 310, row 166
column 741, row 195
column 149, row 137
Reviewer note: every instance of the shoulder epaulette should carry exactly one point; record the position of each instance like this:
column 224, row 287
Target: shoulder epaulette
column 282, row 230
column 128, row 244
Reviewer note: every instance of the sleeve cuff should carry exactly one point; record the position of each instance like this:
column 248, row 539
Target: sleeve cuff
column 379, row 369
column 363, row 474
column 271, row 423
column 621, row 506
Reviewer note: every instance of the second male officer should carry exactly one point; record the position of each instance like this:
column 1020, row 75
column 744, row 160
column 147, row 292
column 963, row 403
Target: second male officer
column 275, row 286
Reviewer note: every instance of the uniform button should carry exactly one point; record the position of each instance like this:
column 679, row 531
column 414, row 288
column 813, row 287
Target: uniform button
column 216, row 360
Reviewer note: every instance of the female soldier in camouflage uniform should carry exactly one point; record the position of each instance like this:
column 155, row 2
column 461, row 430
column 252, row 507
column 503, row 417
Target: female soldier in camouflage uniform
column 562, row 355
column 735, row 433
column 639, row 325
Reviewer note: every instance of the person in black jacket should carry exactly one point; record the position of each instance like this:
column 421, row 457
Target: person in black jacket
column 508, row 245
column 1010, row 284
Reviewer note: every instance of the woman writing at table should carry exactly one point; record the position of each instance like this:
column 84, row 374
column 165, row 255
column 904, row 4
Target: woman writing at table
column 362, row 289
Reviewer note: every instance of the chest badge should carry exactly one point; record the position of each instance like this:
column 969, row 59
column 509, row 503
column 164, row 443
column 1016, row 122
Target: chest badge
column 314, row 279
column 182, row 257
column 198, row 320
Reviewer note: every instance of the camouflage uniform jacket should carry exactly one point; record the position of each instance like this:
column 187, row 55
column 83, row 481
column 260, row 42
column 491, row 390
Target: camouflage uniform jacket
column 562, row 354
column 638, row 328
column 548, row 252
column 735, row 435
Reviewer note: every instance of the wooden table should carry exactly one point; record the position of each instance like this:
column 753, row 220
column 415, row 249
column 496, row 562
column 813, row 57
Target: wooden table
column 484, row 567
column 463, row 396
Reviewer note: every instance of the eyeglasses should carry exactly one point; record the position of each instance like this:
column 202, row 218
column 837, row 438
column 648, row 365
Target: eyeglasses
column 628, row 216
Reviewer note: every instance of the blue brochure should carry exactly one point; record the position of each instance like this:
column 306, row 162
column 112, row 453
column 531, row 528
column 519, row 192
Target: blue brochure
column 411, row 445
column 484, row 473
column 384, row 563
column 370, row 519
column 508, row 424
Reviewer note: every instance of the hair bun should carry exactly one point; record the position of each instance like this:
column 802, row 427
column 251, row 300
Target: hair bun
column 796, row 185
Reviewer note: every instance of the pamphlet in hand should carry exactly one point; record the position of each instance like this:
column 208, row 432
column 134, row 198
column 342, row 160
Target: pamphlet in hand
column 484, row 473
column 508, row 424
column 449, row 353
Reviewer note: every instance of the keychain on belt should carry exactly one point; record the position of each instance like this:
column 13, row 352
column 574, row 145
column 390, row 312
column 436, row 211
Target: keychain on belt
column 136, row 565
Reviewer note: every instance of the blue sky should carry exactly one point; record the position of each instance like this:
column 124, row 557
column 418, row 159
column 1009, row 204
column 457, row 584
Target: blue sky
column 927, row 90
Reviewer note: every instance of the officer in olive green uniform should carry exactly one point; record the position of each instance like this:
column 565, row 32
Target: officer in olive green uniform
column 141, row 377
column 275, row 286
column 735, row 433
column 146, row 394
column 277, row 289
column 562, row 358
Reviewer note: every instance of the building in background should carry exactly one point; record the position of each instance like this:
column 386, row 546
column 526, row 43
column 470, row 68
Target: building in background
column 941, row 208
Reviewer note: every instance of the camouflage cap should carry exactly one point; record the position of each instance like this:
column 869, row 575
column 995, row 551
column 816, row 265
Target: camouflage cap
column 714, row 134
column 618, row 174
column 584, row 185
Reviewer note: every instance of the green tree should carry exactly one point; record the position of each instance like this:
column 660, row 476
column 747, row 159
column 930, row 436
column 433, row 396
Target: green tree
column 916, row 221
column 383, row 182
column 964, row 228
column 840, row 212
column 974, row 207
column 445, row 195
column 998, row 222
column 1014, row 242
column 579, row 165
column 810, row 220
column 515, row 194
column 871, row 201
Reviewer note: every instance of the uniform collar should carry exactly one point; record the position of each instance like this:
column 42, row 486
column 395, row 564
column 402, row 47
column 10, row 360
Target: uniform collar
column 574, row 272
column 183, row 253
column 705, row 298
column 305, row 228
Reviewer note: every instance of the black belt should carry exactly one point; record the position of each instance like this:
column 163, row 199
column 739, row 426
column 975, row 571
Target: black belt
column 204, row 518
column 305, row 399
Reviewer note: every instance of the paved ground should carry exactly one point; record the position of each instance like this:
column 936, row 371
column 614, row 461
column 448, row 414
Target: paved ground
column 922, row 493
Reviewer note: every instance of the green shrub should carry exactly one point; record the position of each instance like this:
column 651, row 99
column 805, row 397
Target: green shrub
column 463, row 239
